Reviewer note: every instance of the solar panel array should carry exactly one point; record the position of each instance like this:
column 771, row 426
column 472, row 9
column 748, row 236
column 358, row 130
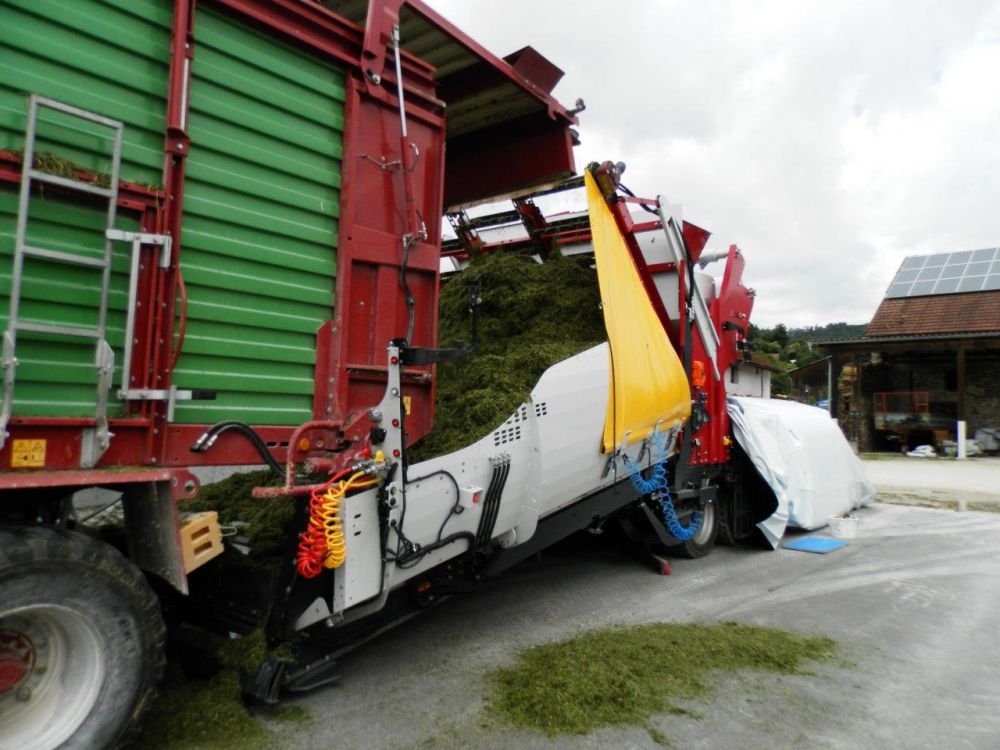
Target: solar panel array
column 947, row 273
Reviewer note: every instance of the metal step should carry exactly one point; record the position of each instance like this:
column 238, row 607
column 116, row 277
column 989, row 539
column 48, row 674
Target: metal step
column 77, row 185
column 61, row 257
column 84, row 333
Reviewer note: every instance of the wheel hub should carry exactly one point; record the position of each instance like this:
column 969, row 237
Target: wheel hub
column 17, row 659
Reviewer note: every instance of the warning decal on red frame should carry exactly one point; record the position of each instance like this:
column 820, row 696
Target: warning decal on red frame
column 27, row 454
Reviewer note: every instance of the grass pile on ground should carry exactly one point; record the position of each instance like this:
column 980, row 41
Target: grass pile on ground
column 623, row 676
column 532, row 315
column 209, row 713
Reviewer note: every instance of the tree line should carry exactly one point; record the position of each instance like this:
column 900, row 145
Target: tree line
column 791, row 348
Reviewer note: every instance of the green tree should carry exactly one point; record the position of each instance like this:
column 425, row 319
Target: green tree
column 780, row 334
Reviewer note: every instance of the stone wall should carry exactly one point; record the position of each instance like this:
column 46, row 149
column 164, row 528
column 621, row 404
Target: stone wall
column 936, row 374
column 982, row 388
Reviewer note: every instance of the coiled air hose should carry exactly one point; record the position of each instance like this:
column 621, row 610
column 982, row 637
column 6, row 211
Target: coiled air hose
column 322, row 544
column 658, row 488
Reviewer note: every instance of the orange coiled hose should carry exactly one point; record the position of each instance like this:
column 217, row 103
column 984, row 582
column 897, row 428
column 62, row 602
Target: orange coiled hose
column 322, row 544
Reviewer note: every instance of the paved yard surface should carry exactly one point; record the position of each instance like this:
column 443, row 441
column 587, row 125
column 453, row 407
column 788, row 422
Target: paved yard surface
column 937, row 482
column 915, row 601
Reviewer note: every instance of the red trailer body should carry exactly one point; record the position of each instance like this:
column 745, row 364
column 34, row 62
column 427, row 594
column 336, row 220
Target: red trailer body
column 393, row 187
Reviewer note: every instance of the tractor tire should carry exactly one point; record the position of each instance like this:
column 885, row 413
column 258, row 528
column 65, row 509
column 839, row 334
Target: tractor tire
column 704, row 538
column 81, row 641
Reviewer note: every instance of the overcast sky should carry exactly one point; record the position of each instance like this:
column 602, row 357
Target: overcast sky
column 827, row 139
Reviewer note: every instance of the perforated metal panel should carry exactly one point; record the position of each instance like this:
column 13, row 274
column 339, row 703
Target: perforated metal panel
column 947, row 273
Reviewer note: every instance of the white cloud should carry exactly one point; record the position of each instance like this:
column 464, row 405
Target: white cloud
column 828, row 140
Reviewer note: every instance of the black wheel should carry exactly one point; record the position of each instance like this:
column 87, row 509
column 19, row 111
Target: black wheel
column 81, row 641
column 725, row 511
column 704, row 538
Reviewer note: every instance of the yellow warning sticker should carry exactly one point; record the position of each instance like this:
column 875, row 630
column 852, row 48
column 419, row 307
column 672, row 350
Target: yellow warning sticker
column 27, row 454
column 407, row 400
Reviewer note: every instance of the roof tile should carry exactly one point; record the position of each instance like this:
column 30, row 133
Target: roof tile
column 972, row 312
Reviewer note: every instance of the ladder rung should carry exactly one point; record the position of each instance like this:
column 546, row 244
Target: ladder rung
column 83, row 187
column 80, row 260
column 44, row 101
column 85, row 333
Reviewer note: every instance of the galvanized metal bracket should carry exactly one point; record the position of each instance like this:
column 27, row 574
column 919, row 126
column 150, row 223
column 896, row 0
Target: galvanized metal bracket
column 171, row 395
column 9, row 365
column 138, row 240
column 679, row 255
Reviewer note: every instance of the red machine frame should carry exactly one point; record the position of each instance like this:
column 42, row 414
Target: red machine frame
column 350, row 372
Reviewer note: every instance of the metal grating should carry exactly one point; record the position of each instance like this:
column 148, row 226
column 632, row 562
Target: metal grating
column 947, row 273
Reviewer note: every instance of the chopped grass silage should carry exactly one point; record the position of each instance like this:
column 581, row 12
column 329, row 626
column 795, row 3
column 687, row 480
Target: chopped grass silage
column 262, row 521
column 532, row 315
column 623, row 676
column 209, row 713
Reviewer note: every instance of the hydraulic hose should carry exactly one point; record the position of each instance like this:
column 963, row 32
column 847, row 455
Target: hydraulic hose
column 208, row 438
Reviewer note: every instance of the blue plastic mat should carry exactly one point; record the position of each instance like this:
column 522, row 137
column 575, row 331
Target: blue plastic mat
column 819, row 545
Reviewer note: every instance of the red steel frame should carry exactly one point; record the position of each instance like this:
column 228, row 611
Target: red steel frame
column 350, row 368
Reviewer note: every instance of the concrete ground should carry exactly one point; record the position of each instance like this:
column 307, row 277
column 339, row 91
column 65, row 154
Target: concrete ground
column 913, row 601
column 973, row 483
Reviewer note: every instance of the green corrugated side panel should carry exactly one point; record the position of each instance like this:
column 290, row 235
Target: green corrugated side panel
column 106, row 56
column 57, row 376
column 259, row 238
column 110, row 57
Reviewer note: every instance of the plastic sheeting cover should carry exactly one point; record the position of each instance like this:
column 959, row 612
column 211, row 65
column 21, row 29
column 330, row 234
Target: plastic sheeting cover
column 647, row 384
column 803, row 456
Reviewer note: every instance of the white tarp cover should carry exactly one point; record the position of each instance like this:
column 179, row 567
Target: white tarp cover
column 805, row 459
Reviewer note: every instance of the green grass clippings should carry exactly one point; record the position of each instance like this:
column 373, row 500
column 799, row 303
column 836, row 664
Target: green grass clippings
column 197, row 713
column 193, row 713
column 202, row 714
column 54, row 164
column 532, row 316
column 623, row 676
column 262, row 520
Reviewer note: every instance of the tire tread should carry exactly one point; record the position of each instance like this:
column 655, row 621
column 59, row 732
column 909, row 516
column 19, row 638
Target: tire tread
column 43, row 546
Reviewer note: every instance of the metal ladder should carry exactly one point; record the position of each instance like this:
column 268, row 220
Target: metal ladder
column 95, row 441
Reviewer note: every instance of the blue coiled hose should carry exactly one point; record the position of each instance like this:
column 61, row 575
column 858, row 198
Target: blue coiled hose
column 674, row 523
column 658, row 488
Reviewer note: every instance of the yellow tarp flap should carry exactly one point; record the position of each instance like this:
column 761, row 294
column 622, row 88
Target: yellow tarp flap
column 647, row 383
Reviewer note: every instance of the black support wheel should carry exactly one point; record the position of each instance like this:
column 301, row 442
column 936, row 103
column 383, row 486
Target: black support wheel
column 81, row 641
column 704, row 538
column 724, row 507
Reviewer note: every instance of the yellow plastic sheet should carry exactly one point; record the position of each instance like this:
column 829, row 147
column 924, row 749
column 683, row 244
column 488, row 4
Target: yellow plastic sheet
column 647, row 385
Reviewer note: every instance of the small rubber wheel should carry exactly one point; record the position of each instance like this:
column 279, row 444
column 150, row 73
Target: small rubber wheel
column 81, row 641
column 704, row 539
